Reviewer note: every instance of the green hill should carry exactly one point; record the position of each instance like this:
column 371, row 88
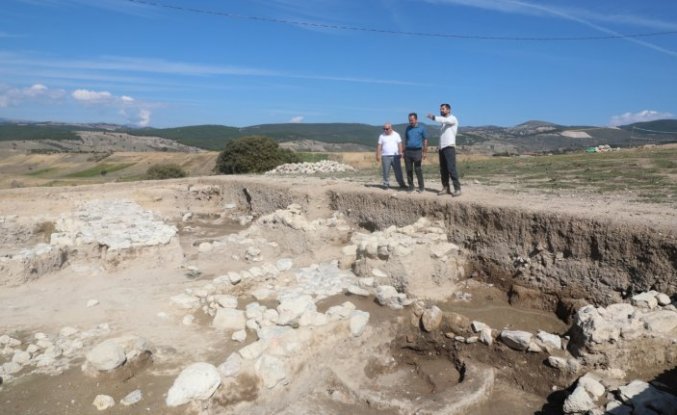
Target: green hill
column 658, row 126
column 209, row 137
column 12, row 132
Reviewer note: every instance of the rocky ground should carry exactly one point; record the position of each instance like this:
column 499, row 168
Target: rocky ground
column 188, row 297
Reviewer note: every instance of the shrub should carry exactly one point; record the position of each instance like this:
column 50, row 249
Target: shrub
column 165, row 171
column 253, row 154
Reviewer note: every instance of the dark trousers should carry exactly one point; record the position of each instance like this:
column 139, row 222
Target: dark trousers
column 412, row 163
column 448, row 167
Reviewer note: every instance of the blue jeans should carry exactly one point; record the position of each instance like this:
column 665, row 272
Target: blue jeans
column 391, row 161
column 448, row 167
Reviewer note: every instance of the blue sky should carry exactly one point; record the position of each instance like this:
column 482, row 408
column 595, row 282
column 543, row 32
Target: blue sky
column 242, row 63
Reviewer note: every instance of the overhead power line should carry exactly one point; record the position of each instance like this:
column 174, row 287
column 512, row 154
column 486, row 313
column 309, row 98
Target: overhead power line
column 398, row 32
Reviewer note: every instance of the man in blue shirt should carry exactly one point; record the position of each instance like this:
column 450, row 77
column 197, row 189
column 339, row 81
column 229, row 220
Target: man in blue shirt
column 415, row 149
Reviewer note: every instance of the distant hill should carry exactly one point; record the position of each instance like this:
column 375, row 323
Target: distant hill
column 528, row 137
column 658, row 126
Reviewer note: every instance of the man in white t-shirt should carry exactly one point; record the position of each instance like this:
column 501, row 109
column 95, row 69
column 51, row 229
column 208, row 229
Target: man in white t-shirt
column 389, row 152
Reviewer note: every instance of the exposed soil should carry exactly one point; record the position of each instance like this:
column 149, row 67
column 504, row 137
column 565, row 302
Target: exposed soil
column 134, row 294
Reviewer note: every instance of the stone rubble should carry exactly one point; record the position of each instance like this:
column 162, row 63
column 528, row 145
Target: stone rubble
column 306, row 168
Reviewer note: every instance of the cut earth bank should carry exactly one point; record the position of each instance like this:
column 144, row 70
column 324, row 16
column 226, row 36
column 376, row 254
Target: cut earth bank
column 269, row 285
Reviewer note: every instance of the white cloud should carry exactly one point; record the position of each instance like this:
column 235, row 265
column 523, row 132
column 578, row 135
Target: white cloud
column 11, row 96
column 92, row 97
column 646, row 115
column 297, row 120
column 125, row 98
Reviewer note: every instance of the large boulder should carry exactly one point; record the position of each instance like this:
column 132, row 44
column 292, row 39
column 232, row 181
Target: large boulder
column 197, row 382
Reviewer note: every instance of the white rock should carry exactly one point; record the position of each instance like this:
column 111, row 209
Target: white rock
column 550, row 341
column 284, row 264
column 355, row 290
column 231, row 367
column 486, row 337
column 443, row 249
column 516, row 339
column 592, row 385
column 384, row 294
column 32, row 349
column 358, row 322
column 197, row 382
column 186, row 216
column 579, row 401
column 205, row 247
column 132, row 398
column 188, row 319
column 663, row 299
column 106, row 356
column 645, row 300
column 662, row 321
column 431, row 318
column 103, row 402
column 92, row 303
column 68, row 331
column 10, row 368
column 21, row 357
column 271, row 369
column 366, row 282
column 229, row 319
column 378, row 273
column 234, row 277
column 350, row 250
column 478, row 326
column 262, row 294
column 253, row 350
column 292, row 308
column 226, row 301
column 239, row 336
column 185, row 301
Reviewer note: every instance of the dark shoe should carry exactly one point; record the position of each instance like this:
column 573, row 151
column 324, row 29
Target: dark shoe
column 419, row 190
column 444, row 191
column 410, row 189
column 456, row 193
column 404, row 186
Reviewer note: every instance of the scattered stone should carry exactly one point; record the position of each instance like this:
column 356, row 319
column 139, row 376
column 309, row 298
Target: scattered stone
column 578, row 402
column 226, row 301
column 106, row 356
column 92, row 303
column 132, row 398
column 188, row 319
column 355, row 290
column 516, row 339
column 459, row 339
column 229, row 319
column 234, row 277
column 486, row 337
column 550, row 341
column 284, row 264
column 21, row 357
column 196, row 382
column 662, row 321
column 663, row 299
column 185, row 301
column 271, row 369
column 478, row 326
column 68, row 331
column 253, row 350
column 262, row 294
column 239, row 336
column 378, row 273
column 358, row 322
column 292, row 308
column 431, row 319
column 645, row 300
column 103, row 402
column 231, row 367
column 205, row 247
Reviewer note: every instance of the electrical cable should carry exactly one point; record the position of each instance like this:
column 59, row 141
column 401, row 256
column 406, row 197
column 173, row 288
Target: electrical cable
column 397, row 32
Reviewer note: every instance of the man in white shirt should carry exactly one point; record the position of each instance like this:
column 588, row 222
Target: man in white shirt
column 447, row 150
column 389, row 152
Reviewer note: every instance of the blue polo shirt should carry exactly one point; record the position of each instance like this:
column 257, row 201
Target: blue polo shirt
column 414, row 137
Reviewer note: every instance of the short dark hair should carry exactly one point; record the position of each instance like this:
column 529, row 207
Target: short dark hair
column 413, row 114
column 447, row 106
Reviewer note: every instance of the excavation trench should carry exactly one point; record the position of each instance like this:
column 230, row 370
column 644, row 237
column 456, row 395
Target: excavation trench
column 511, row 269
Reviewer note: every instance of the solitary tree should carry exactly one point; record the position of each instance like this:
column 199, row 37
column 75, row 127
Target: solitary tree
column 252, row 154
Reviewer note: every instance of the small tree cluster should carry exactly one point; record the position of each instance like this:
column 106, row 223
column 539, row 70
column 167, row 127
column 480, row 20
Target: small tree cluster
column 165, row 171
column 253, row 154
